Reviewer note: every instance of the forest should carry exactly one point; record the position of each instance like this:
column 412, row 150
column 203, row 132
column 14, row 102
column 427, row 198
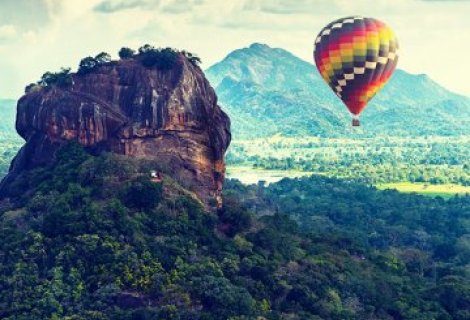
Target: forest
column 94, row 238
column 9, row 147
column 434, row 160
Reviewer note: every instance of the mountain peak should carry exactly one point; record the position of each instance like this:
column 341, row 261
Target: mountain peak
column 269, row 90
column 258, row 46
column 261, row 64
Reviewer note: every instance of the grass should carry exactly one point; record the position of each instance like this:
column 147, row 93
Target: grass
column 250, row 175
column 442, row 190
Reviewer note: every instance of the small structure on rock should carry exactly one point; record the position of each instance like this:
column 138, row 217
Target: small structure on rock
column 156, row 176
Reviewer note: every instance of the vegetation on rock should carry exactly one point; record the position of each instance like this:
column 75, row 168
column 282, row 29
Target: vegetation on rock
column 148, row 55
column 126, row 53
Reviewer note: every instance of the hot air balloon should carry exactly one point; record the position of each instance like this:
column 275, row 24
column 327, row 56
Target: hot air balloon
column 356, row 56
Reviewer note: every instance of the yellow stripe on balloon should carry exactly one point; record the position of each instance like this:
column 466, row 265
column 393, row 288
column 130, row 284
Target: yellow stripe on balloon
column 360, row 44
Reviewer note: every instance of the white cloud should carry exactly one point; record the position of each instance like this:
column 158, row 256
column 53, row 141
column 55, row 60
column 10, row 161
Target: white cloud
column 110, row 6
column 58, row 33
column 169, row 6
column 7, row 32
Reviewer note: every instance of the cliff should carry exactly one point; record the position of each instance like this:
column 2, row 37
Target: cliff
column 126, row 108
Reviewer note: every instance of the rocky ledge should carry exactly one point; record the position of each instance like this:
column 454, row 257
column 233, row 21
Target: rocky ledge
column 125, row 107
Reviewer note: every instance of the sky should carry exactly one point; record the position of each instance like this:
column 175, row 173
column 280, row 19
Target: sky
column 44, row 35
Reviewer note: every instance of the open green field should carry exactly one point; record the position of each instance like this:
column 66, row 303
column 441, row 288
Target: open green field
column 443, row 190
column 250, row 175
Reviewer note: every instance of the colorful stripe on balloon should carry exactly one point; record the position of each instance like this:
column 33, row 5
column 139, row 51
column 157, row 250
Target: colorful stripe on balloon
column 356, row 56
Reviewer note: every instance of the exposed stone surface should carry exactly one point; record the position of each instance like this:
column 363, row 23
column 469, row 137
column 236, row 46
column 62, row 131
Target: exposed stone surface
column 171, row 116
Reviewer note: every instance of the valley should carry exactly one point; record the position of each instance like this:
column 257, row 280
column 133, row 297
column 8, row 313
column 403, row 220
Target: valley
column 397, row 162
column 96, row 237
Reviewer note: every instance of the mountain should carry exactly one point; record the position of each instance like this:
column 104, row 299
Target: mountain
column 157, row 105
column 269, row 91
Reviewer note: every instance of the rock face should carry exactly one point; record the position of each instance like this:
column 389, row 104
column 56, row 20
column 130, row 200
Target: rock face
column 170, row 116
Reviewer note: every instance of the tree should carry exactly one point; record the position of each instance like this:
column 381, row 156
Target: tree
column 32, row 87
column 195, row 60
column 146, row 48
column 162, row 59
column 143, row 193
column 63, row 78
column 126, row 53
column 86, row 65
column 103, row 58
column 234, row 217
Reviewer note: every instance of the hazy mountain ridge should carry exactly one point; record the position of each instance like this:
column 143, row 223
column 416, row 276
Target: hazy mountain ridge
column 268, row 90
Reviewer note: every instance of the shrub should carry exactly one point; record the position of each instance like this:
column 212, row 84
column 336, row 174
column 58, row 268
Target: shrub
column 32, row 87
column 63, row 78
column 126, row 53
column 103, row 58
column 235, row 217
column 162, row 59
column 143, row 193
column 195, row 60
column 86, row 65
column 146, row 48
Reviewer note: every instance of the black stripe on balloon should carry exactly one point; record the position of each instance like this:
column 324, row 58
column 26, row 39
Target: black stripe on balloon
column 359, row 81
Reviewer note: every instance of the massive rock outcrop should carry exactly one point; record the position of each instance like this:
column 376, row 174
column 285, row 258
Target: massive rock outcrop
column 168, row 115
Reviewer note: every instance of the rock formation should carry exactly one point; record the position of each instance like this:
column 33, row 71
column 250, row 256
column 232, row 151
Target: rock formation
column 170, row 116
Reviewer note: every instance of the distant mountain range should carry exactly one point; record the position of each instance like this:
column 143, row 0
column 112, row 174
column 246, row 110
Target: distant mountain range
column 269, row 91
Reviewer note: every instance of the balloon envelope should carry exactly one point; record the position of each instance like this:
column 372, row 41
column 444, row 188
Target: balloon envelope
column 356, row 56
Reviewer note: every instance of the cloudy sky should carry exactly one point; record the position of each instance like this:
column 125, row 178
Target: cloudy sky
column 44, row 35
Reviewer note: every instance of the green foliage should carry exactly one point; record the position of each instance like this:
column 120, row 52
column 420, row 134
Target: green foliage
column 32, row 87
column 146, row 48
column 142, row 193
column 126, row 53
column 434, row 160
column 10, row 142
column 234, row 217
column 89, row 64
column 195, row 60
column 103, row 58
column 149, row 56
column 10, row 148
column 93, row 238
column 161, row 59
column 61, row 79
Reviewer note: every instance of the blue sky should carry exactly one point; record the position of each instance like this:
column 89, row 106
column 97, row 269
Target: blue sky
column 44, row 35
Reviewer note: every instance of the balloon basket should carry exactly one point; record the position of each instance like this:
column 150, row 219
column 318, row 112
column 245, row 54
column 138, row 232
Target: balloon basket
column 356, row 123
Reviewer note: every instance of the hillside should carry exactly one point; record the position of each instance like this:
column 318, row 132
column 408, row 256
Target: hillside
column 93, row 238
column 269, row 91
column 7, row 116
